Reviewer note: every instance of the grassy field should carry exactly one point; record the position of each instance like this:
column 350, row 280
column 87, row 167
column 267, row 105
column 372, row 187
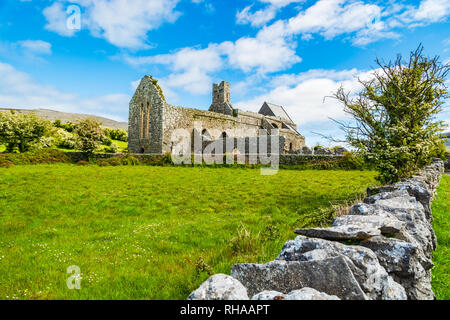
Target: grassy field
column 151, row 232
column 441, row 257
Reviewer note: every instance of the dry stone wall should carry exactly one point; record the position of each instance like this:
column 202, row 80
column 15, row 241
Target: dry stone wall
column 389, row 258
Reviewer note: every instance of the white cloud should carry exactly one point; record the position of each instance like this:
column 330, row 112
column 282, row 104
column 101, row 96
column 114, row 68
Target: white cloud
column 117, row 21
column 258, row 18
column 19, row 90
column 331, row 18
column 36, row 46
column 302, row 95
column 264, row 54
column 57, row 20
column 262, row 16
column 26, row 50
column 429, row 11
column 192, row 67
column 364, row 22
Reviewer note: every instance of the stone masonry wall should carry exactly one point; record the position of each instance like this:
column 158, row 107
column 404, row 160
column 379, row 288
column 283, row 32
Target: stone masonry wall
column 389, row 257
column 243, row 125
column 145, row 118
column 152, row 122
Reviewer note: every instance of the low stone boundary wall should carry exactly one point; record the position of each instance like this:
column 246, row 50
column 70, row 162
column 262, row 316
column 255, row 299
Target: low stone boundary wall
column 285, row 159
column 381, row 250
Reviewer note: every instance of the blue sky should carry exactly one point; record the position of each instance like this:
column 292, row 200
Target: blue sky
column 288, row 52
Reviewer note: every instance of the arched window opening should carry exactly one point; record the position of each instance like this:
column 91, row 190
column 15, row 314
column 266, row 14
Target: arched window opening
column 224, row 135
column 205, row 135
column 141, row 122
column 147, row 121
column 290, row 146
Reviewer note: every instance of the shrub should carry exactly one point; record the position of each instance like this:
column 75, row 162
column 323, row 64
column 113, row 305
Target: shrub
column 351, row 161
column 113, row 148
column 19, row 132
column 117, row 134
column 129, row 161
column 44, row 142
column 5, row 163
column 114, row 162
column 102, row 163
column 90, row 135
column 68, row 143
column 394, row 116
column 43, row 156
column 107, row 142
column 82, row 163
column 69, row 126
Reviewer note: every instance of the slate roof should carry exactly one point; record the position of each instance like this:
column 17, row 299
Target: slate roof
column 278, row 111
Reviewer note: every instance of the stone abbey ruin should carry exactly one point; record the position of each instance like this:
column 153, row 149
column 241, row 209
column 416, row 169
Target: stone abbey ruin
column 152, row 122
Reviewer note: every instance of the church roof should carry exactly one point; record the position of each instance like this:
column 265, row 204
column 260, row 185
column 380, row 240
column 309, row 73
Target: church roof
column 274, row 110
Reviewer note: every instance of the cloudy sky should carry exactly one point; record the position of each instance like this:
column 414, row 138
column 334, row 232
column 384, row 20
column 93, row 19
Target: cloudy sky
column 288, row 52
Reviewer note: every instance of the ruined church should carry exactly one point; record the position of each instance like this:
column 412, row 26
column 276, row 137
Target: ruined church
column 152, row 120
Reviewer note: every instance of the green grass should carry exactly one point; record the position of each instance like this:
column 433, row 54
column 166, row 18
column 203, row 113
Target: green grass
column 151, row 232
column 441, row 257
column 122, row 145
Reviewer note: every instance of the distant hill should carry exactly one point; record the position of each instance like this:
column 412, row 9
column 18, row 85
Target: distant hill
column 67, row 117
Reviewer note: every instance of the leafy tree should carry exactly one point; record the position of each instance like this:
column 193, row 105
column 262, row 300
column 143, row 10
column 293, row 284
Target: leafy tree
column 69, row 126
column 117, row 134
column 19, row 132
column 394, row 115
column 90, row 134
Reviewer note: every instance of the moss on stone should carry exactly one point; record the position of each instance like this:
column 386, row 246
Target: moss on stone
column 158, row 88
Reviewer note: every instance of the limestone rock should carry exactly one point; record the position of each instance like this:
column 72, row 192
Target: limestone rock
column 370, row 275
column 332, row 276
column 386, row 224
column 309, row 294
column 344, row 232
column 419, row 230
column 269, row 295
column 406, row 263
column 220, row 287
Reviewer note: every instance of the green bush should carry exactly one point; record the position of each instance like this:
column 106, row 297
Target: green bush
column 90, row 135
column 114, row 162
column 20, row 132
column 102, row 163
column 43, row 156
column 116, row 134
column 5, row 163
column 69, row 126
column 113, row 148
column 107, row 142
column 351, row 161
column 119, row 161
column 395, row 124
column 130, row 161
